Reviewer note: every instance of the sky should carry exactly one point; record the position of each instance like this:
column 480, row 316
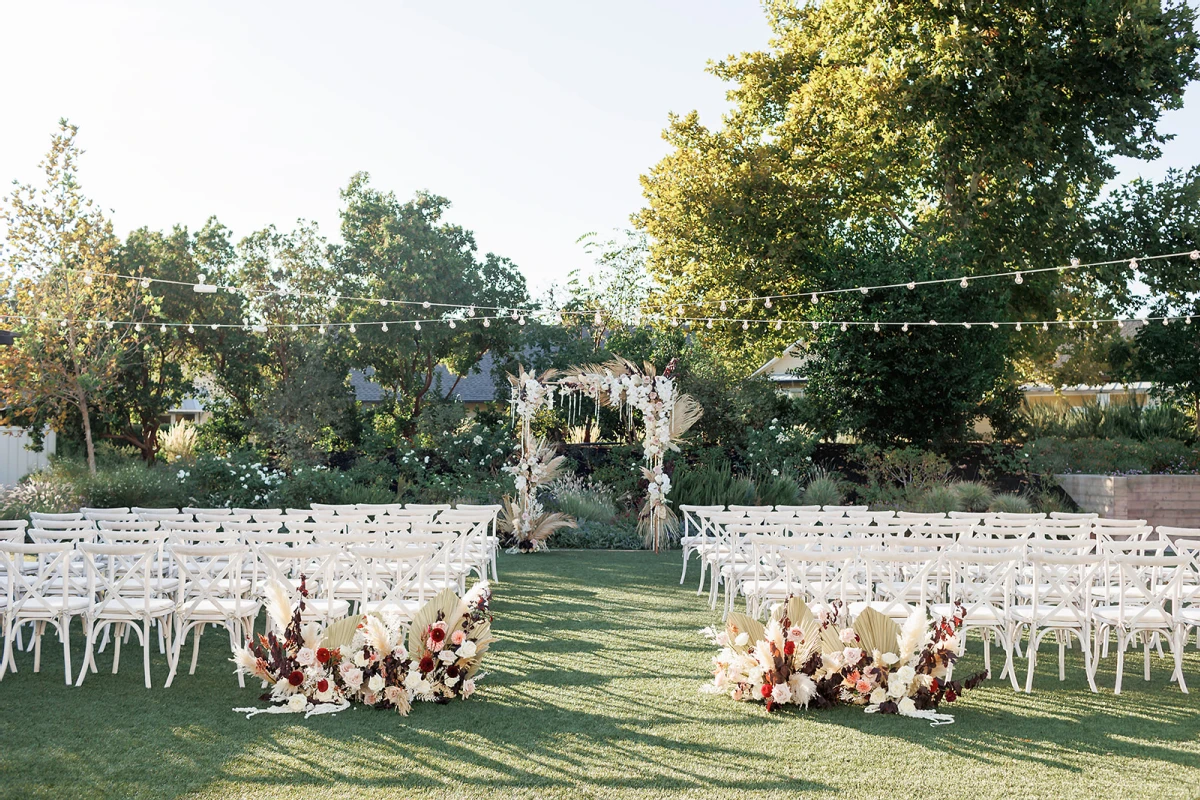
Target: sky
column 535, row 119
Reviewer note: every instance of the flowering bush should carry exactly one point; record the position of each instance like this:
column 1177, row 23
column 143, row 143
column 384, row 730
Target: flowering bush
column 798, row 659
column 364, row 659
column 780, row 449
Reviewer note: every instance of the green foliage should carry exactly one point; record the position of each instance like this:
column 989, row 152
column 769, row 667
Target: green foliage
column 585, row 501
column 1050, row 455
column 973, row 496
column 1128, row 419
column 823, row 490
column 711, row 484
column 777, row 490
column 49, row 491
column 1010, row 504
column 134, row 484
column 621, row 535
column 1050, row 501
column 780, row 448
column 940, row 499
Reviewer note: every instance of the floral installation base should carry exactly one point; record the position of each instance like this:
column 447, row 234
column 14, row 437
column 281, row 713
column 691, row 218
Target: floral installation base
column 365, row 659
column 805, row 660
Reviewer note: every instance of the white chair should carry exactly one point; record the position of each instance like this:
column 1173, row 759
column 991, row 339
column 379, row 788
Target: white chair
column 900, row 582
column 1072, row 515
column 844, row 509
column 981, row 591
column 695, row 533
column 125, row 582
column 37, row 516
column 1059, row 603
column 48, row 596
column 106, row 514
column 793, row 509
column 63, row 524
column 139, row 510
column 1149, row 593
column 13, row 529
column 916, row 518
column 212, row 512
column 312, row 567
column 213, row 592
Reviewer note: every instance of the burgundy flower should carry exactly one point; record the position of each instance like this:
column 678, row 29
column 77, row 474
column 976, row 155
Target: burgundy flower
column 951, row 695
column 452, row 671
column 437, row 634
column 323, row 656
column 426, row 663
column 766, row 690
column 789, row 647
column 322, row 685
column 296, row 677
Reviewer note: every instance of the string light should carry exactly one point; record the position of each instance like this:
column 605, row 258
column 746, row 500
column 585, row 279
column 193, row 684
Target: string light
column 487, row 323
column 383, row 327
column 767, row 303
column 967, row 325
column 320, row 330
column 1018, row 326
column 843, row 327
column 353, row 329
column 453, row 324
column 417, row 326
column 813, row 299
column 1018, row 278
column 911, row 284
column 876, row 327
column 779, row 324
column 864, row 290
column 471, row 311
column 383, row 301
column 709, row 325
column 723, row 306
column 425, row 304
column 904, row 327
column 963, row 283
column 745, row 325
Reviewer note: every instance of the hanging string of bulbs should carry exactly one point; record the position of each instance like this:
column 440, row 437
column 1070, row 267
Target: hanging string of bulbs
column 202, row 286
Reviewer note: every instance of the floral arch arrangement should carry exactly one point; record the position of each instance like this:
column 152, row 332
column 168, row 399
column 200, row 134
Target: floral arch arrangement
column 619, row 384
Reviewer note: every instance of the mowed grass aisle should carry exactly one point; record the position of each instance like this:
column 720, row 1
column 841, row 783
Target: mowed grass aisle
column 593, row 690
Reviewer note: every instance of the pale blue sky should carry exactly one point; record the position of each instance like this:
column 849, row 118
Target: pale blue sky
column 534, row 118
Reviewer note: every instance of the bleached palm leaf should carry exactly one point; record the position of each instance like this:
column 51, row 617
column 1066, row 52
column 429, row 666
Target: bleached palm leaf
column 548, row 523
column 377, row 635
column 686, row 413
column 876, row 631
column 341, row 632
column 442, row 605
column 831, row 642
column 737, row 622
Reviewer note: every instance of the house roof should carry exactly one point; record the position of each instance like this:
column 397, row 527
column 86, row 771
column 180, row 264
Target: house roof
column 476, row 386
column 6, row 337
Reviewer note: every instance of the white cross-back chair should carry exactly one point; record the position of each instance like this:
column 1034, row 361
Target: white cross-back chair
column 314, row 566
column 165, row 516
column 395, row 580
column 65, row 525
column 212, row 512
column 49, row 596
column 900, row 582
column 213, row 592
column 1059, row 603
column 38, row 516
column 981, row 589
column 695, row 535
column 1149, row 603
column 124, row 587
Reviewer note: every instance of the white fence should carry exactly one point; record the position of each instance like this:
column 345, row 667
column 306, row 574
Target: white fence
column 15, row 460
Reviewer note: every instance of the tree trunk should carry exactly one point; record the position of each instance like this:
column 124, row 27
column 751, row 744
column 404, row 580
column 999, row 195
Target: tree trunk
column 89, row 446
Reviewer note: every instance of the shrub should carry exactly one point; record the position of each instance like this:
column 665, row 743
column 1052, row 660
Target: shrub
column 1124, row 420
column 1049, row 502
column 711, row 484
column 940, row 499
column 135, row 484
column 823, row 490
column 899, row 477
column 777, row 490
column 598, row 536
column 47, row 492
column 973, row 496
column 583, row 501
column 781, row 447
column 1049, row 456
column 178, row 443
column 1005, row 503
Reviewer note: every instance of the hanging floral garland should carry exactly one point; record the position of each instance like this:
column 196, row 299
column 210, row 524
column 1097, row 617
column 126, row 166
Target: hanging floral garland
column 619, row 384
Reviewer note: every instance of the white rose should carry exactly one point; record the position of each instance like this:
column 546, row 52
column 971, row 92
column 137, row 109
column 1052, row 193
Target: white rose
column 781, row 693
column 297, row 702
column 890, row 658
column 447, row 657
column 907, row 706
column 467, row 649
column 376, row 683
column 360, row 660
column 306, row 657
column 878, row 696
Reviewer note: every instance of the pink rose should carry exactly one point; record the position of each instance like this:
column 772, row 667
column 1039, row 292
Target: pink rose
column 392, row 694
column 352, row 676
column 851, row 656
column 468, row 688
column 457, row 638
column 864, row 687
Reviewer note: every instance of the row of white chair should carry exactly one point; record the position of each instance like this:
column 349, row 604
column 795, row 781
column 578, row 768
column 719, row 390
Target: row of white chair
column 184, row 581
column 1003, row 587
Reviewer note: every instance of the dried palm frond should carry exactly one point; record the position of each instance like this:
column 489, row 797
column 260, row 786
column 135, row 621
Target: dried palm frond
column 439, row 608
column 912, row 636
column 547, row 524
column 464, row 605
column 518, row 380
column 686, row 413
column 736, row 623
column 667, row 522
column 341, row 632
column 876, row 632
column 376, row 634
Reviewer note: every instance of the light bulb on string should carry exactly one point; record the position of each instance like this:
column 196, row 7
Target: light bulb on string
column 933, row 322
column 425, row 304
column 596, row 319
column 709, row 324
column 87, row 278
column 295, row 327
column 353, row 328
column 108, row 325
column 145, row 283
column 1194, row 256
column 191, row 329
column 487, row 323
column 214, row 326
column 843, row 327
column 1166, row 321
column 995, row 325
column 1071, row 324
column 1018, row 278
column 88, row 325
column 417, row 325
column 967, row 325
column 767, row 303
column 912, row 284
column 321, row 329
column 864, row 290
column 453, row 324
column 1187, row 320
column 1133, row 263
column 963, row 283
column 745, row 325
column 162, row 329
column 383, row 327
column 815, row 325
column 383, row 301
column 779, row 324
column 813, row 299
column 514, row 314
column 471, row 311
column 1045, row 326
column 904, row 327
column 876, row 327
column 724, row 306
column 1018, row 326
column 674, row 322
column 1074, row 262
column 138, row 327
column 1095, row 325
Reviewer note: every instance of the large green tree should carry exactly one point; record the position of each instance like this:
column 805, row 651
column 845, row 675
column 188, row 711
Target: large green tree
column 409, row 251
column 976, row 134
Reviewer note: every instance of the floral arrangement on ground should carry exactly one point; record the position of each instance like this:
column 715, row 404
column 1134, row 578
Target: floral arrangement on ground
column 801, row 659
column 364, row 659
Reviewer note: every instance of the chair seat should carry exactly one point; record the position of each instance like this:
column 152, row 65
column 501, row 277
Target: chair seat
column 221, row 608
column 333, row 609
column 49, row 605
column 132, row 609
column 983, row 614
column 1046, row 617
column 1134, row 617
column 159, row 585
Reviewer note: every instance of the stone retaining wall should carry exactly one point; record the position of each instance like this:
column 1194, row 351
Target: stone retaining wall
column 1172, row 500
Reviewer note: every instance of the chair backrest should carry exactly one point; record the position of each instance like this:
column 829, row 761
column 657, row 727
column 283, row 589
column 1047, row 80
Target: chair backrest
column 983, row 580
column 51, row 578
column 152, row 516
column 1060, row 593
column 85, row 510
column 1163, row 531
column 751, row 509
column 111, row 515
column 912, row 516
column 62, row 524
column 313, row 528
column 900, row 579
column 202, row 538
column 1104, row 522
column 1027, row 517
column 378, row 509
column 135, row 526
column 340, row 538
column 121, row 575
column 1072, row 515
column 1014, row 532
column 41, row 536
column 262, row 538
column 212, row 573
column 1063, row 529
column 255, row 512
column 843, row 509
column 1149, row 588
column 335, row 508
column 164, row 510
column 1110, row 534
column 212, row 512
column 223, row 519
column 315, row 565
column 793, row 509
column 183, row 526
column 978, row 517
column 245, row 529
column 37, row 516
column 17, row 525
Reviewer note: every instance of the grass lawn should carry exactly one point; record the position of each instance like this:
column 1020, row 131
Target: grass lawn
column 593, row 691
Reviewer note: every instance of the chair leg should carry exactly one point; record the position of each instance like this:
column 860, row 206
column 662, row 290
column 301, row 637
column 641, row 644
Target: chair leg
column 1031, row 659
column 38, row 629
column 1089, row 666
column 1178, row 643
column 1146, row 658
column 146, row 651
column 65, row 632
column 197, row 632
column 6, row 658
column 174, row 652
column 683, row 575
column 1062, row 664
column 118, row 637
column 89, row 630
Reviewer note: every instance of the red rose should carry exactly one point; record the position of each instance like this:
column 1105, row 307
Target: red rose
column 322, row 685
column 789, row 648
column 296, row 678
column 426, row 663
column 323, row 656
column 951, row 695
column 933, row 686
column 766, row 690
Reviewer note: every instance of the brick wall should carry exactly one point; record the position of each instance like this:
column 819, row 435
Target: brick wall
column 1172, row 500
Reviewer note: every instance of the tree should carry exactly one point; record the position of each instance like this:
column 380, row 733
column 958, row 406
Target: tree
column 407, row 251
column 71, row 317
column 977, row 134
column 158, row 373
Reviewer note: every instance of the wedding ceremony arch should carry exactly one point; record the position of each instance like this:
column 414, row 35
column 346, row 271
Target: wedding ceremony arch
column 620, row 384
